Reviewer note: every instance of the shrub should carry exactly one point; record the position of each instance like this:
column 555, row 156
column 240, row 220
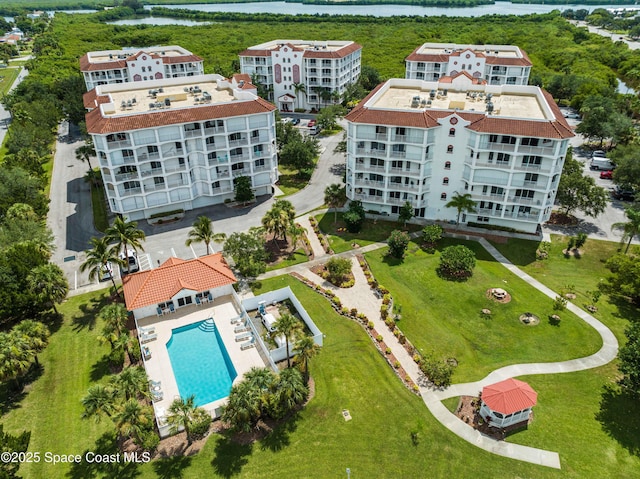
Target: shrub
column 149, row 441
column 571, row 244
column 402, row 339
column 387, row 350
column 390, row 323
column 457, row 263
column 383, row 290
column 200, row 423
column 379, row 338
column 581, row 239
column 386, row 299
column 384, row 312
column 398, row 242
column 362, row 316
column 336, row 301
column 396, row 364
column 345, row 311
column 348, row 284
column 432, row 234
column 370, row 325
column 338, row 269
column 396, row 332
column 559, row 304
column 353, row 221
column 417, row 358
column 439, row 372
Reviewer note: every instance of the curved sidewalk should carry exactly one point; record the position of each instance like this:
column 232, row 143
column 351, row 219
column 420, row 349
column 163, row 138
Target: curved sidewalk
column 432, row 398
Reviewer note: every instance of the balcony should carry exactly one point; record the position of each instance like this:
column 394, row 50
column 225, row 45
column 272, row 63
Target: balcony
column 242, row 172
column 536, row 168
column 398, row 154
column 521, row 200
column 371, row 151
column 148, row 156
column 258, row 169
column 488, row 197
column 126, row 176
column 370, row 198
column 398, row 201
column 363, row 167
column 240, row 142
column 174, row 184
column 115, row 145
column 404, row 187
column 536, row 150
column 236, row 158
column 175, row 168
column 152, row 171
column 489, row 212
column 193, row 133
column 497, row 146
column 220, row 191
column 131, row 192
column 376, row 184
column 154, row 187
column 401, row 171
column 214, row 130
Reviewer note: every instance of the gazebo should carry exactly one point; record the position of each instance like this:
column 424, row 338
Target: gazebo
column 507, row 403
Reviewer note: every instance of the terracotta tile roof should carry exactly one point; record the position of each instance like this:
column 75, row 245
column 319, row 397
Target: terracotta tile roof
column 460, row 52
column 557, row 129
column 342, row 52
column 87, row 66
column 158, row 285
column 136, row 55
column 474, row 80
column 489, row 59
column 99, row 125
column 244, row 77
column 521, row 62
column 509, row 396
column 91, row 99
column 182, row 59
column 254, row 53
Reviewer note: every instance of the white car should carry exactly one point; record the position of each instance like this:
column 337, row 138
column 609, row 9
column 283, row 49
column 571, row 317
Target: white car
column 106, row 272
column 132, row 259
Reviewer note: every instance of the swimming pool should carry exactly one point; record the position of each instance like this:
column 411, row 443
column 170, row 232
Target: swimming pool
column 200, row 362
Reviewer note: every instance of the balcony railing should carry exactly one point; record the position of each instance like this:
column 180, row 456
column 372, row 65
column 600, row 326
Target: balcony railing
column 242, row 172
column 372, row 151
column 257, row 169
column 220, row 191
column 405, row 172
column 377, row 184
column 536, row 168
column 193, row 133
column 148, row 156
column 236, row 158
column 487, row 196
column 536, row 150
column 214, row 130
column 152, row 171
column 154, row 187
column 521, row 200
column 240, row 142
column 131, row 191
column 114, row 145
column 398, row 154
column 175, row 168
column 363, row 167
column 126, row 176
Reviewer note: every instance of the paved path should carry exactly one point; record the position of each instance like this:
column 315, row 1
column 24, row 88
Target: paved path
column 361, row 296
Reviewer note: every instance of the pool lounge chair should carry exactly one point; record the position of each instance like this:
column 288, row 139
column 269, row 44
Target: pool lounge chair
column 210, row 298
column 146, row 337
column 159, row 311
column 241, row 329
column 146, row 352
column 157, row 396
column 249, row 344
column 172, row 308
column 236, row 320
column 243, row 337
column 198, row 302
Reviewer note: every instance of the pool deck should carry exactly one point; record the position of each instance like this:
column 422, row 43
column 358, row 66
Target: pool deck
column 159, row 368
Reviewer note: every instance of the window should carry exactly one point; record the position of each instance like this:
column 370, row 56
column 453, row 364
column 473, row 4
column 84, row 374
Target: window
column 215, row 185
column 375, row 162
column 447, row 165
column 443, row 196
column 530, row 141
column 259, row 163
column 452, row 132
column 158, row 181
column 531, row 161
column 255, row 134
column 235, row 137
column 401, row 131
column 445, row 181
column 210, row 141
column 450, row 149
column 483, row 219
column 184, row 301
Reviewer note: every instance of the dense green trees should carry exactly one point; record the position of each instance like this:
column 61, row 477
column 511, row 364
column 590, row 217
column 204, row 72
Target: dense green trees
column 624, row 279
column 247, row 251
column 627, row 160
column 19, row 350
column 335, row 195
column 631, row 228
column 630, row 359
column 184, row 414
column 12, row 444
column 577, row 191
column 242, row 189
column 337, row 269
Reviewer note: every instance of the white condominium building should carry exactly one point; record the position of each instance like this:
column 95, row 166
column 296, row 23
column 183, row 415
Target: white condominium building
column 497, row 64
column 179, row 143
column 151, row 63
column 302, row 74
column 425, row 142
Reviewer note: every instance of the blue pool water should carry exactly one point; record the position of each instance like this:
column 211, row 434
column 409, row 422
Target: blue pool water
column 200, row 362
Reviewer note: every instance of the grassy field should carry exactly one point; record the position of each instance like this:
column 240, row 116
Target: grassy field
column 349, row 374
column 7, row 77
column 372, row 231
column 99, row 207
column 289, row 182
column 583, row 273
column 298, row 256
column 445, row 317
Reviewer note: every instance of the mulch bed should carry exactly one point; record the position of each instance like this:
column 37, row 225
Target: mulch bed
column 280, row 250
column 560, row 219
column 467, row 412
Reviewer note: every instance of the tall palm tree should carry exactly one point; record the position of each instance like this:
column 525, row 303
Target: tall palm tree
column 287, row 325
column 115, row 318
column 631, row 228
column 124, row 234
column 299, row 88
column 35, row 334
column 181, row 413
column 133, row 420
column 15, row 357
column 462, row 203
column 131, row 382
column 85, row 152
column 307, row 349
column 261, row 378
column 49, row 283
column 202, row 231
column 287, row 214
column 244, row 406
column 295, row 231
column 98, row 257
column 99, row 401
column 335, row 196
column 290, row 391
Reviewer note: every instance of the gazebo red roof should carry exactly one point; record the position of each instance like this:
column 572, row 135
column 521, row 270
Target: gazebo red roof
column 509, row 396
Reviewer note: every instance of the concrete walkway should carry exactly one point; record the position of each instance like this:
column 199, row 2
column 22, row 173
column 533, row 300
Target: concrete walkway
column 361, row 297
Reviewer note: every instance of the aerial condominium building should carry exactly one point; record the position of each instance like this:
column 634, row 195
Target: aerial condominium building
column 179, row 143
column 425, row 142
column 497, row 64
column 301, row 74
column 140, row 64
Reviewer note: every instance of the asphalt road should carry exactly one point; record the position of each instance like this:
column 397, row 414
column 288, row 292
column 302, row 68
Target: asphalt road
column 70, row 214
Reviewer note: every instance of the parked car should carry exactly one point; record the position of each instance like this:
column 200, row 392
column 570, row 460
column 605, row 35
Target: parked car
column 132, row 259
column 295, row 121
column 106, row 272
column 311, row 123
column 606, row 175
column 624, row 193
column 572, row 115
column 601, row 164
column 598, row 154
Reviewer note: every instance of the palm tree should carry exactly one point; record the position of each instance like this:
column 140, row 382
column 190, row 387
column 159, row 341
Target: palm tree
column 290, row 390
column 35, row 334
column 335, row 196
column 15, row 357
column 296, row 231
column 85, row 152
column 202, row 230
column 631, row 228
column 99, row 401
column 299, row 88
column 49, row 283
column 307, row 349
column 125, row 233
column 132, row 382
column 287, row 325
column 181, row 414
column 462, row 203
column 115, row 318
column 133, row 420
column 244, row 406
column 98, row 257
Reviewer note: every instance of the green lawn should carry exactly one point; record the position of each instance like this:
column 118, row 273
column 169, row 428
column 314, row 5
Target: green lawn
column 7, row 77
column 51, row 408
column 445, row 317
column 372, row 231
column 298, row 256
column 99, row 206
column 349, row 374
column 583, row 273
column 288, row 180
